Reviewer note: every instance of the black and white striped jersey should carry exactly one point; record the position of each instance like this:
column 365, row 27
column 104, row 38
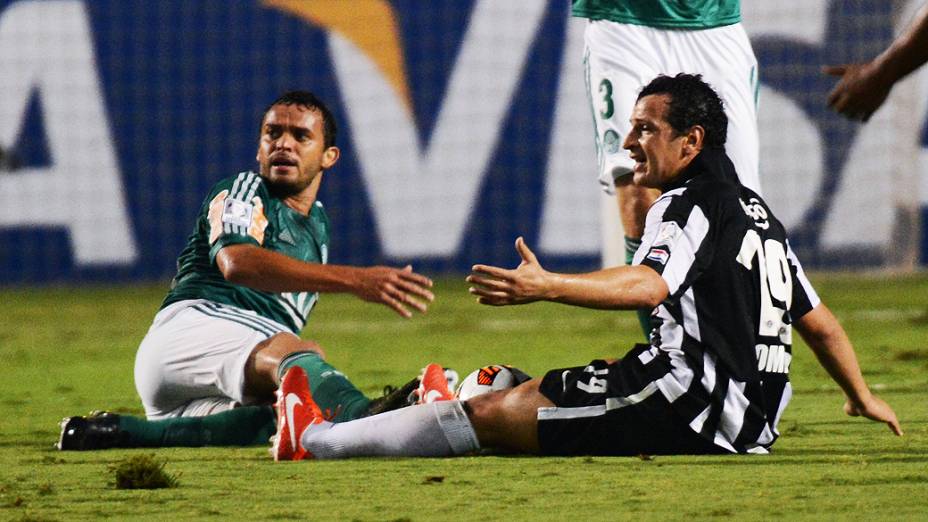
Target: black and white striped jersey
column 721, row 343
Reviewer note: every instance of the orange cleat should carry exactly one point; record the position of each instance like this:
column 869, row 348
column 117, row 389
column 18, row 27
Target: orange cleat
column 296, row 410
column 433, row 385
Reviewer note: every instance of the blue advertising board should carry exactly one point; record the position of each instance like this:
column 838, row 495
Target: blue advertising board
column 463, row 124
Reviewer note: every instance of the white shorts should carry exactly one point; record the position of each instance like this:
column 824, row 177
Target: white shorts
column 192, row 360
column 620, row 59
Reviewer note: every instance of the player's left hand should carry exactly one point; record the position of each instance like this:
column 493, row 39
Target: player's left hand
column 500, row 287
column 860, row 91
column 874, row 409
column 401, row 289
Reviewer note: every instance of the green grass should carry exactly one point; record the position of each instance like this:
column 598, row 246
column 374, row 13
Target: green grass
column 65, row 351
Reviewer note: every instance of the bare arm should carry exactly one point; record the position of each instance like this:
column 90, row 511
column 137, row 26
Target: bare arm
column 624, row 287
column 864, row 86
column 831, row 346
column 263, row 269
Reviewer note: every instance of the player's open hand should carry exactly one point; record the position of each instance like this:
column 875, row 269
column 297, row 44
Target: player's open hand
column 399, row 288
column 499, row 287
column 860, row 91
column 875, row 409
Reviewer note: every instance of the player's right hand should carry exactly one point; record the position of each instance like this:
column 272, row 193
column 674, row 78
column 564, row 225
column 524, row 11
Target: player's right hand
column 401, row 289
column 860, row 91
column 497, row 286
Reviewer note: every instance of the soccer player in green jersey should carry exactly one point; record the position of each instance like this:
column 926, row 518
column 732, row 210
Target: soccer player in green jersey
column 629, row 42
column 246, row 283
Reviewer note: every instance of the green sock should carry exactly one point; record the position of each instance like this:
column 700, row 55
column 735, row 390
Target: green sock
column 339, row 400
column 644, row 315
column 244, row 426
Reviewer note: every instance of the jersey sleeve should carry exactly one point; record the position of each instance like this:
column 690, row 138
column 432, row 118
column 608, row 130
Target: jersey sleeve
column 675, row 229
column 236, row 213
column 805, row 299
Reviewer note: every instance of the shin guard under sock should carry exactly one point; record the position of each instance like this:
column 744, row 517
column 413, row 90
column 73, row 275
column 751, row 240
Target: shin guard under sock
column 243, row 426
column 339, row 400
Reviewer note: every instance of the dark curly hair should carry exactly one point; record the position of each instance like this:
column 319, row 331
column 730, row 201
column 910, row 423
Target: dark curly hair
column 309, row 101
column 692, row 102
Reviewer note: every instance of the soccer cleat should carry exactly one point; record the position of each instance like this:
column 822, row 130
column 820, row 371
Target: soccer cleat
column 433, row 385
column 394, row 398
column 99, row 430
column 296, row 410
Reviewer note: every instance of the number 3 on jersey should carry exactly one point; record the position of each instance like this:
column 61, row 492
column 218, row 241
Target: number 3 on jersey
column 776, row 283
column 605, row 88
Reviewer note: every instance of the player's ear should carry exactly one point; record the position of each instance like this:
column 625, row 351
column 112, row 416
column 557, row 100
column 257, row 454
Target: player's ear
column 693, row 140
column 330, row 156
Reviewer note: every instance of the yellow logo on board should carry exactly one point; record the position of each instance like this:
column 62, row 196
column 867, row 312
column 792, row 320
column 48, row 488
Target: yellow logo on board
column 370, row 24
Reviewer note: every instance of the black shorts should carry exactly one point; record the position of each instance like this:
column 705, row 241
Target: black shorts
column 612, row 409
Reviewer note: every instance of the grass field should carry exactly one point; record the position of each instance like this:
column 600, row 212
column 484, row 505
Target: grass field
column 66, row 351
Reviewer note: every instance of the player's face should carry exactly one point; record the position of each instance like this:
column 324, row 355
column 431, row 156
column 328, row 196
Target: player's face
column 659, row 152
column 291, row 150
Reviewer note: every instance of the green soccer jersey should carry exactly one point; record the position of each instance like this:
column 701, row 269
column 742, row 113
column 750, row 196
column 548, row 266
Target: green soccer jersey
column 665, row 14
column 241, row 210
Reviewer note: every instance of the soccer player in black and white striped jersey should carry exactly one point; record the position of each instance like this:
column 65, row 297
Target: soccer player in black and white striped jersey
column 725, row 288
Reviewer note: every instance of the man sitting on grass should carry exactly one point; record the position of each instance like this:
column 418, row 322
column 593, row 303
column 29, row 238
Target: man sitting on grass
column 246, row 283
column 725, row 288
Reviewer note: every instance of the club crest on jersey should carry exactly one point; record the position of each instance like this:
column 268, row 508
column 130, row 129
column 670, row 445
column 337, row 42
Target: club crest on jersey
column 658, row 254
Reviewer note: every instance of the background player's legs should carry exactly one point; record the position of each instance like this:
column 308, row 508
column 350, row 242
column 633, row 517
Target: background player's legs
column 619, row 58
column 634, row 202
column 726, row 60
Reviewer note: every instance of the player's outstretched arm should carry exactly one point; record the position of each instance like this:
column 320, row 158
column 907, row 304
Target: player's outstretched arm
column 625, row 287
column 863, row 87
column 828, row 340
column 401, row 289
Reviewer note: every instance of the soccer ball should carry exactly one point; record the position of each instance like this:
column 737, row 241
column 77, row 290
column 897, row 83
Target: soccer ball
column 489, row 378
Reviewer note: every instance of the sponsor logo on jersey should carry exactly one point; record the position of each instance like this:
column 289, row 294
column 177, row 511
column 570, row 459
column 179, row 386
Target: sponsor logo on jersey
column 756, row 211
column 774, row 358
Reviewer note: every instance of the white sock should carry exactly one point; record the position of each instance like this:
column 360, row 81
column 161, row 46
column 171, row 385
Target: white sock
column 438, row 429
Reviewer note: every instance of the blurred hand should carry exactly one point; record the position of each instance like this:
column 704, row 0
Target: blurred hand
column 875, row 409
column 401, row 289
column 860, row 91
column 499, row 287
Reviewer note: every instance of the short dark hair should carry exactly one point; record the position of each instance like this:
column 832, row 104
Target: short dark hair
column 309, row 101
column 692, row 102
